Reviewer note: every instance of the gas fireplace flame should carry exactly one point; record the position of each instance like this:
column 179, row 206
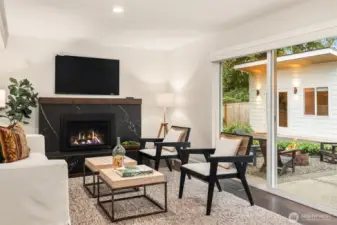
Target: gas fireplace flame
column 89, row 137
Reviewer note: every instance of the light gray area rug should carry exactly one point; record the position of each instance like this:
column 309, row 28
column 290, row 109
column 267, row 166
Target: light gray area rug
column 227, row 208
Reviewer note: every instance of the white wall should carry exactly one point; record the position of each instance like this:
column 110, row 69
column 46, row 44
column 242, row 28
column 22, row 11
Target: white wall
column 142, row 72
column 299, row 125
column 194, row 75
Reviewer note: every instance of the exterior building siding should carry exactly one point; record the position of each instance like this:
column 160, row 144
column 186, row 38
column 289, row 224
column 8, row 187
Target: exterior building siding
column 299, row 125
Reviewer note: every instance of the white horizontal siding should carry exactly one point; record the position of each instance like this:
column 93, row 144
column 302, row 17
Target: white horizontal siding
column 321, row 75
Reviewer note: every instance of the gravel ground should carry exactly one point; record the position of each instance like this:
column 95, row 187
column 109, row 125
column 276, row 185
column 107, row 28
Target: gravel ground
column 315, row 169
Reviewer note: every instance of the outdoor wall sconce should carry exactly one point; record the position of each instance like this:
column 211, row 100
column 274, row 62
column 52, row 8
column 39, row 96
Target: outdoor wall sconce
column 295, row 90
column 257, row 92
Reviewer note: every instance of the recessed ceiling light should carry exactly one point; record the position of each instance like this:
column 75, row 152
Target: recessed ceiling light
column 118, row 9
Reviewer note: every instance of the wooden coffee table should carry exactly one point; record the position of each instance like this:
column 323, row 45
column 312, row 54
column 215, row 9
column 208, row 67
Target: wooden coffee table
column 95, row 164
column 117, row 183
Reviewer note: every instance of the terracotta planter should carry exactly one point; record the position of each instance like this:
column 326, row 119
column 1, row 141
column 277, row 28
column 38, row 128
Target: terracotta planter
column 128, row 147
column 302, row 159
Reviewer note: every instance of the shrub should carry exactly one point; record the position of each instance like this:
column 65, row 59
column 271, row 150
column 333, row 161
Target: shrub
column 283, row 144
column 256, row 142
column 307, row 147
column 236, row 95
column 238, row 128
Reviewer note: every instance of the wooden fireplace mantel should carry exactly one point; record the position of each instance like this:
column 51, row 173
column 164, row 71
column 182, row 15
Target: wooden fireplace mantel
column 99, row 101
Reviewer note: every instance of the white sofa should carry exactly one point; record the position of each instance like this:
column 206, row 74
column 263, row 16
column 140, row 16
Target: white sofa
column 34, row 191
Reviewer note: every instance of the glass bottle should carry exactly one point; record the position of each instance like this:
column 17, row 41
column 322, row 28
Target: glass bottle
column 118, row 154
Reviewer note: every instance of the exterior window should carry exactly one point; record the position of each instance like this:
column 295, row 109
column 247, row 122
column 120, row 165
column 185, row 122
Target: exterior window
column 316, row 101
column 309, row 101
column 322, row 101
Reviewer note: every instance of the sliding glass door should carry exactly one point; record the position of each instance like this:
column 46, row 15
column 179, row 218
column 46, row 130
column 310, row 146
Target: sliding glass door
column 306, row 81
column 285, row 98
column 244, row 109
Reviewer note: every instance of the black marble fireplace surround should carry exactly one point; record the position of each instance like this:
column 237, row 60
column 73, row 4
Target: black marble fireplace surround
column 112, row 117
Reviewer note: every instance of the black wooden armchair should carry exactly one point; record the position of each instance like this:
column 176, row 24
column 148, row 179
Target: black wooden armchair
column 166, row 149
column 211, row 172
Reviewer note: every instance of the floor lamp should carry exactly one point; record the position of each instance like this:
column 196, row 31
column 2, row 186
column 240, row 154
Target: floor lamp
column 2, row 99
column 164, row 100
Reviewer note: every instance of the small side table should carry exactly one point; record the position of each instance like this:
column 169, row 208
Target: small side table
column 95, row 164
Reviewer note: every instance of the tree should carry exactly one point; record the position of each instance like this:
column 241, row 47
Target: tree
column 235, row 82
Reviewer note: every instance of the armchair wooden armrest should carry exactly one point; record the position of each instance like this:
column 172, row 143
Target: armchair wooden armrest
column 173, row 144
column 151, row 139
column 233, row 159
column 200, row 151
column 143, row 141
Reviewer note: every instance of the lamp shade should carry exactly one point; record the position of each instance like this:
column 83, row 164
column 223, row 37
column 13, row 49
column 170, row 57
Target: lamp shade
column 2, row 98
column 165, row 99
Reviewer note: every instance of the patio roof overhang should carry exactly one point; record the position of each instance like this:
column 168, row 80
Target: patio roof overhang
column 292, row 61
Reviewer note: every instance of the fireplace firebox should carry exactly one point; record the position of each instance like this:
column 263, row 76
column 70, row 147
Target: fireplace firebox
column 87, row 131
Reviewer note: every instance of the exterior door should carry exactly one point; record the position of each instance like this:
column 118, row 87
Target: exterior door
column 283, row 109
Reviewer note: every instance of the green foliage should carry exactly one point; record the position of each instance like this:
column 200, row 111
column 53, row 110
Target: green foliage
column 309, row 46
column 21, row 100
column 283, row 144
column 130, row 143
column 256, row 142
column 307, row 147
column 236, row 95
column 238, row 128
column 235, row 82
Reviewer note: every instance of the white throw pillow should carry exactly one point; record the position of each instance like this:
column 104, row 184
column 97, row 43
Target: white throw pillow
column 227, row 147
column 172, row 136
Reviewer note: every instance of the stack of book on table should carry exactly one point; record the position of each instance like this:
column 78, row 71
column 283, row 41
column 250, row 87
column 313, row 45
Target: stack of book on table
column 133, row 171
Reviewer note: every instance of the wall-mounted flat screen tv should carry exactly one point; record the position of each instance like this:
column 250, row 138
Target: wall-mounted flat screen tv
column 83, row 75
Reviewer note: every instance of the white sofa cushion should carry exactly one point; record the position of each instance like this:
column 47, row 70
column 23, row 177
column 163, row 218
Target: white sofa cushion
column 227, row 147
column 34, row 159
column 36, row 143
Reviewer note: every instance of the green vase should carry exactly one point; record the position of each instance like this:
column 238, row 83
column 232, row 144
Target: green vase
column 118, row 154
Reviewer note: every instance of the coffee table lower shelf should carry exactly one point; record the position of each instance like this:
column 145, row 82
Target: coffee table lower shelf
column 116, row 191
column 93, row 193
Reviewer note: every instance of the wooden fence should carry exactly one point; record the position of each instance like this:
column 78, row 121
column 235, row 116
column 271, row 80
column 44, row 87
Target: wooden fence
column 237, row 113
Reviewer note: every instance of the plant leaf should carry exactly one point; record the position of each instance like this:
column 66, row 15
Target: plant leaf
column 13, row 80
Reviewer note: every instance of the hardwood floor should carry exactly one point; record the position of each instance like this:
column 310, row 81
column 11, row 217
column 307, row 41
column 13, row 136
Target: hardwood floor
column 277, row 204
column 280, row 205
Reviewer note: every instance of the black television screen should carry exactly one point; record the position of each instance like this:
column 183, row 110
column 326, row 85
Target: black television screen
column 82, row 75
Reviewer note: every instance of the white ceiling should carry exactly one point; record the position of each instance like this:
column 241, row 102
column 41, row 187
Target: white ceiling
column 153, row 24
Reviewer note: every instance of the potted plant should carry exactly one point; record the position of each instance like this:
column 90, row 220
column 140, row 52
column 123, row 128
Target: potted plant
column 21, row 100
column 302, row 157
column 131, row 145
